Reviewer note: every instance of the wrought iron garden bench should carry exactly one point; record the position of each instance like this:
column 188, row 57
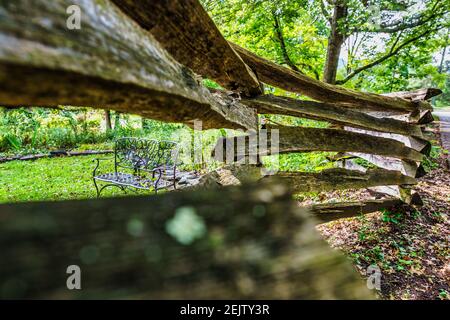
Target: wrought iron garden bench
column 140, row 164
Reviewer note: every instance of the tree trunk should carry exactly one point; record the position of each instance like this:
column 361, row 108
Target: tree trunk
column 117, row 120
column 108, row 120
column 441, row 64
column 335, row 41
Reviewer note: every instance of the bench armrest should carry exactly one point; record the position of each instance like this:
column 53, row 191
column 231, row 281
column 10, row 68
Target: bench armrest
column 98, row 163
column 156, row 170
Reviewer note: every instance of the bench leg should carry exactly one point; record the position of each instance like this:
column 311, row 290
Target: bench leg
column 155, row 185
column 174, row 180
column 99, row 191
column 96, row 188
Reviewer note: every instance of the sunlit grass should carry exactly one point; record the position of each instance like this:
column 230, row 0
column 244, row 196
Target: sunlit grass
column 52, row 179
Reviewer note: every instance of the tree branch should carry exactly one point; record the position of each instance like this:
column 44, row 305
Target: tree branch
column 286, row 59
column 325, row 13
column 421, row 20
column 381, row 59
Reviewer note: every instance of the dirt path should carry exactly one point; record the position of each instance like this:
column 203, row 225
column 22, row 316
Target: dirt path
column 444, row 120
column 410, row 245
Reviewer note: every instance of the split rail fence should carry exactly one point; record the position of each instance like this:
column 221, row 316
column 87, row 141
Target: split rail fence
column 148, row 57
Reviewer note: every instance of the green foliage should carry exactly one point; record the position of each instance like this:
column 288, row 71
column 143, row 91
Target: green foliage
column 51, row 179
column 309, row 162
column 364, row 163
column 294, row 33
column 429, row 162
column 381, row 246
column 371, row 256
column 31, row 130
column 211, row 84
column 444, row 295
column 394, row 217
column 251, row 24
column 27, row 131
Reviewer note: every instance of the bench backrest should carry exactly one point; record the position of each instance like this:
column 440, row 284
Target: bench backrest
column 144, row 154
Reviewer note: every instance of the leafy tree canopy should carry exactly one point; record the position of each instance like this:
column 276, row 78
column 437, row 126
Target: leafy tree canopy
column 386, row 45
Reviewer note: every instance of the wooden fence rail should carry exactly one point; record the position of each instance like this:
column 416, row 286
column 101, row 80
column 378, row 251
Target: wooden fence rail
column 138, row 70
column 238, row 246
column 129, row 72
column 185, row 30
column 301, row 139
column 332, row 113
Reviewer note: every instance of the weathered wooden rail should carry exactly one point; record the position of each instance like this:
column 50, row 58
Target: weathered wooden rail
column 238, row 246
column 148, row 57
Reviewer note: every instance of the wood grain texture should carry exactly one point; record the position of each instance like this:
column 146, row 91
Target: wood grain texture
column 186, row 31
column 341, row 179
column 333, row 211
column 301, row 139
column 418, row 144
column 326, row 180
column 270, row 104
column 407, row 167
column 425, row 117
column 110, row 63
column 416, row 95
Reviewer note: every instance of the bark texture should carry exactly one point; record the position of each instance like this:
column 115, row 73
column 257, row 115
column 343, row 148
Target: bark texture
column 407, row 167
column 416, row 95
column 332, row 211
column 332, row 113
column 335, row 41
column 341, row 179
column 419, row 144
column 300, row 139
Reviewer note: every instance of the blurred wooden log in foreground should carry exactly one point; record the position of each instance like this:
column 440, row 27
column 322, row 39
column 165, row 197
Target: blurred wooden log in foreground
column 250, row 241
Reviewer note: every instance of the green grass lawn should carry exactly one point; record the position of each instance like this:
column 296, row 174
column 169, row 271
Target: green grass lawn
column 52, row 179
